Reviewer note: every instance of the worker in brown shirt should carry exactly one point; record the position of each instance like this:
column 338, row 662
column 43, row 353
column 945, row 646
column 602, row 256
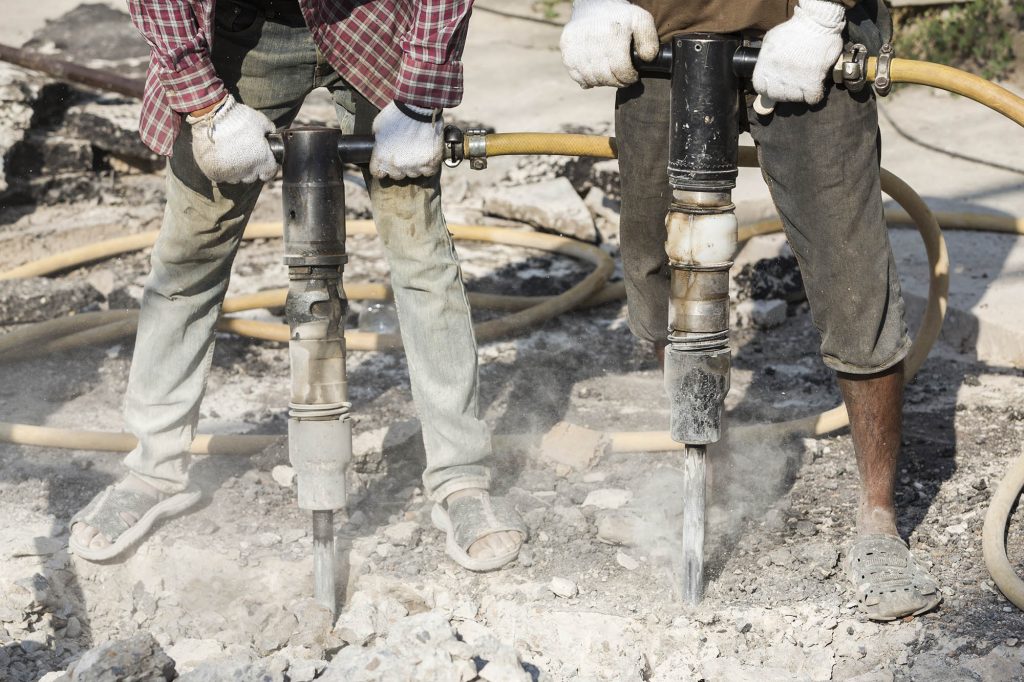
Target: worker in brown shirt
column 819, row 154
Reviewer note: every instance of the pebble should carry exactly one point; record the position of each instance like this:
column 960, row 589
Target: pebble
column 525, row 558
column 1012, row 641
column 618, row 529
column 283, row 475
column 595, row 477
column 806, row 529
column 403, row 534
column 268, row 539
column 73, row 628
column 626, row 561
column 563, row 587
column 608, row 498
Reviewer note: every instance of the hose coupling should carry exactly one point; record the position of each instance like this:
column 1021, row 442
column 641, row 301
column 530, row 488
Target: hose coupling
column 883, row 72
column 455, row 142
column 851, row 71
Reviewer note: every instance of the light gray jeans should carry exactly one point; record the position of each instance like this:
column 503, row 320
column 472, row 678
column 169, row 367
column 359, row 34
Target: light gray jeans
column 269, row 61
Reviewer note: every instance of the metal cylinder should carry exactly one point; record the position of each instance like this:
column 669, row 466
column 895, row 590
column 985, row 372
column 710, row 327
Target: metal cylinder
column 704, row 136
column 313, row 193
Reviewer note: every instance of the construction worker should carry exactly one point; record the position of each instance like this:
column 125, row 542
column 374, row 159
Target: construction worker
column 819, row 154
column 222, row 75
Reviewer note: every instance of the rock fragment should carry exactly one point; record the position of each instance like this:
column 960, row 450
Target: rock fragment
column 552, row 205
column 563, row 587
column 608, row 498
column 283, row 475
column 618, row 529
column 403, row 533
column 139, row 658
column 626, row 561
column 760, row 314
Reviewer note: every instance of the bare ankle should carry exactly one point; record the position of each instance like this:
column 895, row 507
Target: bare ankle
column 876, row 520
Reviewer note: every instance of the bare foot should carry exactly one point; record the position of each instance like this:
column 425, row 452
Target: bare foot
column 494, row 544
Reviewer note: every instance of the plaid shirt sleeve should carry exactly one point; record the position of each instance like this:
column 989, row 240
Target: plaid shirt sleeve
column 180, row 53
column 430, row 74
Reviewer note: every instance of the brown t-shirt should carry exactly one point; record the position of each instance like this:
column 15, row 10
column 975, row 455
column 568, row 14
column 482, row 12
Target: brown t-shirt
column 719, row 16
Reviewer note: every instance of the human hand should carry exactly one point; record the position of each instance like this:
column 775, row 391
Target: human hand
column 407, row 145
column 596, row 42
column 797, row 55
column 230, row 144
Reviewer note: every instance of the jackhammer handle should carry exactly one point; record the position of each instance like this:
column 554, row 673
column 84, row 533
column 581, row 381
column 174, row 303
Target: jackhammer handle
column 355, row 149
column 743, row 61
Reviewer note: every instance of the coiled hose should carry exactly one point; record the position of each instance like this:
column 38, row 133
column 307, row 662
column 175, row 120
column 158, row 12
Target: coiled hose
column 100, row 327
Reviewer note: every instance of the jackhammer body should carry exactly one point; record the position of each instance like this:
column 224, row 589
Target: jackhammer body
column 701, row 238
column 319, row 423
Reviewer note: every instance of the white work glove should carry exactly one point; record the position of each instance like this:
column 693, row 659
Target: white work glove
column 405, row 147
column 230, row 143
column 797, row 55
column 596, row 42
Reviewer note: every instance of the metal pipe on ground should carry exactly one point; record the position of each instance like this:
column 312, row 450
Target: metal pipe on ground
column 99, row 79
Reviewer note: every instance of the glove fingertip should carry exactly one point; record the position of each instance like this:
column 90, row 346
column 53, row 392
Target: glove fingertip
column 645, row 35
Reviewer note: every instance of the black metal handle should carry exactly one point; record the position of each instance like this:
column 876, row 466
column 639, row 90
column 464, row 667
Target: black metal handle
column 355, row 149
column 743, row 61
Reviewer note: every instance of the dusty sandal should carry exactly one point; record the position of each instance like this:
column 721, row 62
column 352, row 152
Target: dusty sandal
column 104, row 512
column 468, row 519
column 889, row 581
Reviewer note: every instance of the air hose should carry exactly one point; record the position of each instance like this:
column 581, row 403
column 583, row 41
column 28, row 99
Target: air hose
column 98, row 327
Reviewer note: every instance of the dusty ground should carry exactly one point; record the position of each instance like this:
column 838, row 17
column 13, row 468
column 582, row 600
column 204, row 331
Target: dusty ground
column 229, row 584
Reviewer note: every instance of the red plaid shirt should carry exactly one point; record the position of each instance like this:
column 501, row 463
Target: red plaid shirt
column 407, row 50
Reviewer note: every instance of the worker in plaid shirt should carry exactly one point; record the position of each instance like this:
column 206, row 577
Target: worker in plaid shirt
column 223, row 74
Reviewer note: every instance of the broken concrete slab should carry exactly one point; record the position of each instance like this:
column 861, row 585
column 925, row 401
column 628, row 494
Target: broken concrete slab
column 112, row 125
column 552, row 205
column 138, row 658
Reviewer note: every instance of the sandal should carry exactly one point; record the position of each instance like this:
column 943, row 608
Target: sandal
column 468, row 519
column 889, row 581
column 104, row 514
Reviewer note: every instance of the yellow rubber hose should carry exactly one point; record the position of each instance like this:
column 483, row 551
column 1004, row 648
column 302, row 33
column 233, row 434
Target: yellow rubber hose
column 954, row 80
column 993, row 535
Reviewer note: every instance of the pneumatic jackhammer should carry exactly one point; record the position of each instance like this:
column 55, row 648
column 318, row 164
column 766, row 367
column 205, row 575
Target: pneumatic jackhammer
column 319, row 424
column 701, row 239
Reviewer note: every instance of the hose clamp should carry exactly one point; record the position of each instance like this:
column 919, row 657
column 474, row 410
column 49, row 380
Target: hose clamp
column 476, row 147
column 851, row 71
column 883, row 71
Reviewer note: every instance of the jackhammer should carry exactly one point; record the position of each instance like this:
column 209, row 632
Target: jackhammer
column 319, row 423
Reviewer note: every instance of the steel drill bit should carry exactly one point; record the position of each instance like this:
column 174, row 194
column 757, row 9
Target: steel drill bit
column 323, row 559
column 693, row 523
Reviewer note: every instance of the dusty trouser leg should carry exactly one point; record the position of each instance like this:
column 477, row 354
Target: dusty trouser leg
column 436, row 327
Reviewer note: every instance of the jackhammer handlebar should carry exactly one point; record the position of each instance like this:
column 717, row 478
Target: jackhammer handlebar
column 354, row 149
